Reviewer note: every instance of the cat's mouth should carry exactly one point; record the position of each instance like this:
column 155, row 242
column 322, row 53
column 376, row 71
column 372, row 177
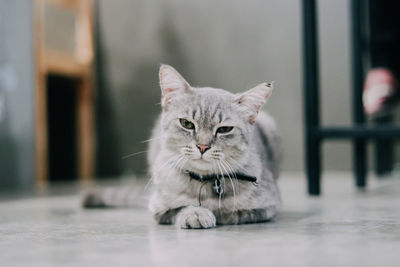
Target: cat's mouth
column 202, row 160
column 200, row 164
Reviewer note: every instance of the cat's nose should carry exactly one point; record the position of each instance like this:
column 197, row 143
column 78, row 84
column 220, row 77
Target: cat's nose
column 203, row 148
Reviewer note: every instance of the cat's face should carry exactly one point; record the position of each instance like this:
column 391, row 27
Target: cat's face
column 207, row 129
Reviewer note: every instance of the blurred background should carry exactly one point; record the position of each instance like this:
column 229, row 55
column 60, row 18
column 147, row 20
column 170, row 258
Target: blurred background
column 79, row 95
column 79, row 79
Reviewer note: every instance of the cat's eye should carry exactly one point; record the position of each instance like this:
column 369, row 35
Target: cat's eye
column 224, row 129
column 186, row 124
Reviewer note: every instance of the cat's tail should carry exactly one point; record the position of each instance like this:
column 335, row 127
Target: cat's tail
column 112, row 197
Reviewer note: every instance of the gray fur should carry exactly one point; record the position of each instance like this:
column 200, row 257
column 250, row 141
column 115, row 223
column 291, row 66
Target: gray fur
column 251, row 148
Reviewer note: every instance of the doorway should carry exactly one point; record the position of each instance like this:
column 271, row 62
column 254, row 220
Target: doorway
column 62, row 130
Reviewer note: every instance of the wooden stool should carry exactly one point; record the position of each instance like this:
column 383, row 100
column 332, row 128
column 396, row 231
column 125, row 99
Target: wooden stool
column 70, row 58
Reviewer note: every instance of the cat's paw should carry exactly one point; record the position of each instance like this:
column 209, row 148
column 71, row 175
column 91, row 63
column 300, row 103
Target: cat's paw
column 195, row 218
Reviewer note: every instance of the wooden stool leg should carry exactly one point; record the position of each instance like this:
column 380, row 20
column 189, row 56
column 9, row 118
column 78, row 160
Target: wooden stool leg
column 86, row 140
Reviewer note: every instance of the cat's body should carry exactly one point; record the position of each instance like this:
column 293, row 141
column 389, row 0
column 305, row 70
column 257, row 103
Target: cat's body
column 213, row 157
column 174, row 189
column 190, row 203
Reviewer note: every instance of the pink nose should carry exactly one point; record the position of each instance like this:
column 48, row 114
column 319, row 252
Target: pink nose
column 203, row 148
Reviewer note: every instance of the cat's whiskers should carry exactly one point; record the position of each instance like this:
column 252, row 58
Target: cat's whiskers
column 233, row 190
column 238, row 166
column 215, row 170
column 222, row 178
column 232, row 171
column 181, row 163
column 233, row 186
column 216, row 154
column 172, row 164
column 233, row 161
column 224, row 187
column 151, row 139
column 232, row 168
column 188, row 152
column 134, row 154
column 156, row 170
column 175, row 166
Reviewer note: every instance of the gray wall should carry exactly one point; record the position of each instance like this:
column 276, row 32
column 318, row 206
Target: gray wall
column 16, row 88
column 228, row 44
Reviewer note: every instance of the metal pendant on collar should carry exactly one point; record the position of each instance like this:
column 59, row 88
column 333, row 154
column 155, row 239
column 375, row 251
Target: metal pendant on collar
column 218, row 187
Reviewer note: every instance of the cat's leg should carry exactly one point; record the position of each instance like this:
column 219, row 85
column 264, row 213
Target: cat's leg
column 246, row 216
column 195, row 217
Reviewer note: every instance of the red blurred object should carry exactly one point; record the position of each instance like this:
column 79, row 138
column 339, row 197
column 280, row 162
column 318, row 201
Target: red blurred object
column 380, row 91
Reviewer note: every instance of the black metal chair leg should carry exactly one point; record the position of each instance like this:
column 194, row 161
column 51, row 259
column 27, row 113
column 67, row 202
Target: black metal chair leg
column 313, row 165
column 360, row 163
column 359, row 146
column 311, row 98
column 383, row 149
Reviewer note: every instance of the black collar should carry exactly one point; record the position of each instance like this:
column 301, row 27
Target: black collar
column 213, row 177
column 218, row 187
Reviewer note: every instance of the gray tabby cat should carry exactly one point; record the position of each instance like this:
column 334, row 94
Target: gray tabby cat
column 214, row 157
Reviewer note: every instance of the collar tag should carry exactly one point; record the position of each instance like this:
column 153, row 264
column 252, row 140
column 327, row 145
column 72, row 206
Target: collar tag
column 218, row 187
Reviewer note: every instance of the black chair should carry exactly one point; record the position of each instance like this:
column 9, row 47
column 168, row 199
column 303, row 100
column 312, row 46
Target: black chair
column 359, row 132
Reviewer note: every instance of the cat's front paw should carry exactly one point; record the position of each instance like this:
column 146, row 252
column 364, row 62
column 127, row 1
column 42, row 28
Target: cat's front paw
column 195, row 218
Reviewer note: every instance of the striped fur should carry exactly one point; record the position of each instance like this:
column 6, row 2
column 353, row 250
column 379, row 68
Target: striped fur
column 252, row 147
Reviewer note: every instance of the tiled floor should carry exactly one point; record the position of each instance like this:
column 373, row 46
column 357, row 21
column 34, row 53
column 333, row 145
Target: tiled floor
column 342, row 228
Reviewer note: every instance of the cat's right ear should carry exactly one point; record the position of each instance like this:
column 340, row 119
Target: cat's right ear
column 172, row 84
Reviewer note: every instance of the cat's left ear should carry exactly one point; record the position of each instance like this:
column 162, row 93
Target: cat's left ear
column 251, row 101
column 172, row 84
